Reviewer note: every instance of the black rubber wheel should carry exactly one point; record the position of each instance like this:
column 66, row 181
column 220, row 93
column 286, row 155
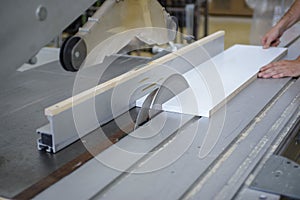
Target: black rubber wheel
column 68, row 61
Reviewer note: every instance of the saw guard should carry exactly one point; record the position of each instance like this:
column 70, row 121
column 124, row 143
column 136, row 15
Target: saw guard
column 145, row 20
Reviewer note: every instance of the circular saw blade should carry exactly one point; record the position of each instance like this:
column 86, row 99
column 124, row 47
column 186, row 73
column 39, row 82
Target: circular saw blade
column 152, row 105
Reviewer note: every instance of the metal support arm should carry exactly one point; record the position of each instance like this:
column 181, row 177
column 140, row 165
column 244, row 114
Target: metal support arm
column 28, row 26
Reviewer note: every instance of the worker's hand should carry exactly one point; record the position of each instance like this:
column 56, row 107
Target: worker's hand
column 281, row 69
column 271, row 38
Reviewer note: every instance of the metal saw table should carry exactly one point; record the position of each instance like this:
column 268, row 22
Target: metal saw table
column 257, row 121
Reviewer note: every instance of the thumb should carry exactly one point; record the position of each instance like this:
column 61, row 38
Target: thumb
column 264, row 42
column 268, row 42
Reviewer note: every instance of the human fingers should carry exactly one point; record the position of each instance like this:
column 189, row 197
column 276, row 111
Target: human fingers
column 275, row 43
column 266, row 67
column 280, row 69
column 278, row 75
column 264, row 42
column 271, row 69
column 271, row 42
column 272, row 73
column 271, row 37
column 277, row 64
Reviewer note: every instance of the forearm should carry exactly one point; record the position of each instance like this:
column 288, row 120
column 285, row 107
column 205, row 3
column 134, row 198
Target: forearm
column 290, row 18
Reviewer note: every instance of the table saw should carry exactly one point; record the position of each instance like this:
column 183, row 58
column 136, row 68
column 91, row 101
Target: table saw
column 245, row 147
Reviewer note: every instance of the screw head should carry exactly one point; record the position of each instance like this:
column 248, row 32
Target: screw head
column 262, row 196
column 278, row 173
column 41, row 13
column 32, row 60
column 77, row 54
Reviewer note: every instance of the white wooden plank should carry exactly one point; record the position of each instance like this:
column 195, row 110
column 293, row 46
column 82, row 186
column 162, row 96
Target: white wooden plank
column 219, row 79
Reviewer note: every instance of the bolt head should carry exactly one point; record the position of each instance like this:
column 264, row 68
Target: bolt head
column 41, row 13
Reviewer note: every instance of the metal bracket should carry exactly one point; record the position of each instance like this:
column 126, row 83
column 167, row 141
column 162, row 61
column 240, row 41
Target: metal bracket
column 280, row 176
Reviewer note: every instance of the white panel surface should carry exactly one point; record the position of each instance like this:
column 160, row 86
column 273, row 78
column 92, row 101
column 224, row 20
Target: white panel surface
column 220, row 78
